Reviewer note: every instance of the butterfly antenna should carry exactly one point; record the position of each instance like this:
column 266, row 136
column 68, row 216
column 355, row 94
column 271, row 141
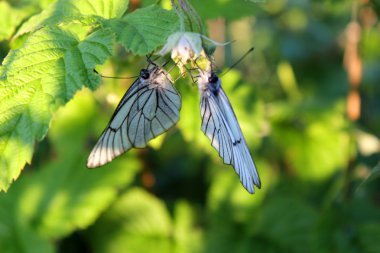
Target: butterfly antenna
column 166, row 63
column 171, row 67
column 114, row 77
column 196, row 63
column 238, row 61
column 167, row 74
column 150, row 61
column 193, row 77
column 188, row 70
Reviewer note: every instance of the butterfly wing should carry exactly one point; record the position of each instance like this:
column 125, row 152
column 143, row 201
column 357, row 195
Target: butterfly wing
column 149, row 108
column 155, row 111
column 220, row 125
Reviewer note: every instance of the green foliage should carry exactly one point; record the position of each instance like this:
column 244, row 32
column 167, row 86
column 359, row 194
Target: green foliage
column 320, row 182
column 16, row 12
column 147, row 226
column 61, row 196
column 320, row 129
column 57, row 59
column 62, row 63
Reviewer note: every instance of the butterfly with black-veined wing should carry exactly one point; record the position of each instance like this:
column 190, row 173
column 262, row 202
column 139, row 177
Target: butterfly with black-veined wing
column 220, row 125
column 149, row 108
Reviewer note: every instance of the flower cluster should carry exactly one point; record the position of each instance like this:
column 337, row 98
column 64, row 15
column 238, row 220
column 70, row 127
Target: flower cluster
column 187, row 47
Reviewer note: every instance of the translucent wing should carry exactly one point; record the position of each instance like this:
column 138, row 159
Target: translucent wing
column 220, row 125
column 149, row 108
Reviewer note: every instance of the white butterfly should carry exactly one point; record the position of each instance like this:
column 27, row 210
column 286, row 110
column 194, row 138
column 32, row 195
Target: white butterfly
column 220, row 125
column 149, row 108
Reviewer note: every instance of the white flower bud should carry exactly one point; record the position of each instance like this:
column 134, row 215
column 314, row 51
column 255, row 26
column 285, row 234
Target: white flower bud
column 184, row 46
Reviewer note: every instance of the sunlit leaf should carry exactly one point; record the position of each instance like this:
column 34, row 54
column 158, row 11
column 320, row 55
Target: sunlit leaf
column 9, row 22
column 47, row 70
column 86, row 11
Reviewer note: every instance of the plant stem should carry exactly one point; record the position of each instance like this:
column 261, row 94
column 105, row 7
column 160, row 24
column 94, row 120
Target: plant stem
column 181, row 19
column 193, row 14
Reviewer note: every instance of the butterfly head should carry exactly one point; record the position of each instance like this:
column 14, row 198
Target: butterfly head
column 209, row 81
column 145, row 74
column 155, row 75
column 213, row 78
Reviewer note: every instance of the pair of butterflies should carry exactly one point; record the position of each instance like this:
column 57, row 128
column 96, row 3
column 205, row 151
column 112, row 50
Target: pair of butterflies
column 151, row 106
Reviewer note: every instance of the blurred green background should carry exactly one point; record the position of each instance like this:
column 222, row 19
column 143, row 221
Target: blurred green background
column 308, row 102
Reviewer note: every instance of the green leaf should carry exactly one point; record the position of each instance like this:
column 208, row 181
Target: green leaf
column 145, row 29
column 69, row 10
column 50, row 67
column 138, row 222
